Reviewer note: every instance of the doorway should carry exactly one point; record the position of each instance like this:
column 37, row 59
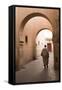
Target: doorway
column 44, row 37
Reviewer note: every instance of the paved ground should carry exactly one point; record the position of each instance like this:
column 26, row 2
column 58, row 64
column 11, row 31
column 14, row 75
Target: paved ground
column 35, row 72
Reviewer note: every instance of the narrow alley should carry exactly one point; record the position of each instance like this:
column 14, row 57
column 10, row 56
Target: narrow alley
column 35, row 72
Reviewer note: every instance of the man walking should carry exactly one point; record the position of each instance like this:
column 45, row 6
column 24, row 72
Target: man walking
column 45, row 56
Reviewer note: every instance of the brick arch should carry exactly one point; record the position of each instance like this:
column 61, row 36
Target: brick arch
column 28, row 17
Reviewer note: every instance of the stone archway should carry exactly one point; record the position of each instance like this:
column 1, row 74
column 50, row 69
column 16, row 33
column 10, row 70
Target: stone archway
column 20, row 41
column 23, row 24
column 39, row 39
column 29, row 22
column 28, row 17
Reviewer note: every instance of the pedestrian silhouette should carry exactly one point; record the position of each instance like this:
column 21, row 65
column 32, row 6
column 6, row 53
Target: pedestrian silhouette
column 45, row 56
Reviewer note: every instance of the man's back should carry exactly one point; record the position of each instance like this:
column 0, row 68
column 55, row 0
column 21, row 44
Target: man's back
column 45, row 53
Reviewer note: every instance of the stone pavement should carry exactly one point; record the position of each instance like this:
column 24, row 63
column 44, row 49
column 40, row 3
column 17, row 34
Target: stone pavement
column 35, row 72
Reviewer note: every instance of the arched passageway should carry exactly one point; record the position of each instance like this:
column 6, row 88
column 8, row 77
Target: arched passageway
column 34, row 71
column 44, row 37
column 31, row 28
column 28, row 51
